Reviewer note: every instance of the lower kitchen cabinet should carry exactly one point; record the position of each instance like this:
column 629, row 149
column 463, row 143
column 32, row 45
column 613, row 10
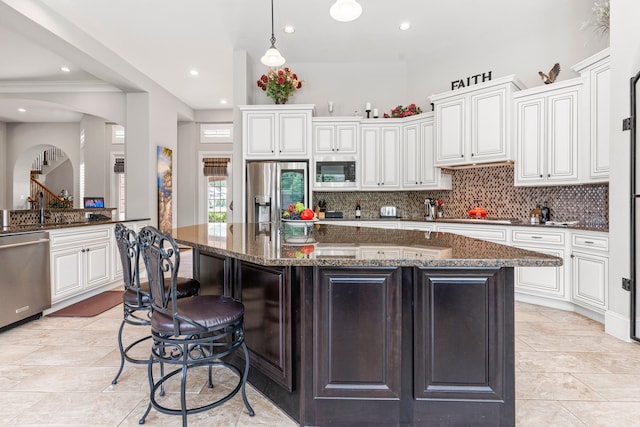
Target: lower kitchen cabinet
column 590, row 271
column 80, row 260
column 117, row 262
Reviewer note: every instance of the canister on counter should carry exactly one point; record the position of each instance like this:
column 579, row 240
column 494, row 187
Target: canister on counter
column 6, row 218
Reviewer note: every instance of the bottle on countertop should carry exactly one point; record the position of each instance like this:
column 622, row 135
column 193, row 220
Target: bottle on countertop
column 535, row 215
column 358, row 210
column 545, row 213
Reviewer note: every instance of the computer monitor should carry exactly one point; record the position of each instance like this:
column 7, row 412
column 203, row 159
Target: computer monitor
column 93, row 202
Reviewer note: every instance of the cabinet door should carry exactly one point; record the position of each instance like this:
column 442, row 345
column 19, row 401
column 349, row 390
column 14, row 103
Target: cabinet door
column 293, row 134
column 323, row 139
column 450, row 132
column 66, row 273
column 411, row 156
column 541, row 281
column 369, row 165
column 600, row 122
column 530, row 136
column 427, row 171
column 590, row 276
column 346, row 138
column 562, row 137
column 259, row 132
column 97, row 259
column 390, row 157
column 488, row 126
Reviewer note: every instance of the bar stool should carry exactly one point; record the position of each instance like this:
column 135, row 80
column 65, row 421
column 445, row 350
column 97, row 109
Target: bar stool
column 136, row 301
column 188, row 332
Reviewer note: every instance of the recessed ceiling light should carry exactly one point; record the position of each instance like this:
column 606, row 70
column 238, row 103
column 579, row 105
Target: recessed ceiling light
column 22, row 110
column 289, row 29
column 405, row 26
column 223, row 101
column 194, row 72
column 65, row 69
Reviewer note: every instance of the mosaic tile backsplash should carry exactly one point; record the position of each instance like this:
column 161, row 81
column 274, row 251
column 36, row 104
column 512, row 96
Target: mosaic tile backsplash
column 488, row 187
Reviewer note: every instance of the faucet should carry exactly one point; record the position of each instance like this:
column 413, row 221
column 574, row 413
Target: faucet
column 41, row 205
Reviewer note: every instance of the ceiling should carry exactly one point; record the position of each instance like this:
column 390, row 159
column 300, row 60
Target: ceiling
column 163, row 40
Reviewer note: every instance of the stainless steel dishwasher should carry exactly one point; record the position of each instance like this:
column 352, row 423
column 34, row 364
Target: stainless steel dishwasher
column 25, row 289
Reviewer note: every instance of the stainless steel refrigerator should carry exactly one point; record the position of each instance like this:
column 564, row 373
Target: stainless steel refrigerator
column 272, row 186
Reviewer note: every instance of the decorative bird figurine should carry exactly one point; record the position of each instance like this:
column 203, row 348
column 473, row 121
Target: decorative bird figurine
column 551, row 77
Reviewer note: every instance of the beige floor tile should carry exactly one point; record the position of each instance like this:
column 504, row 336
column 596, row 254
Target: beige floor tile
column 606, row 414
column 553, row 386
column 614, row 387
column 539, row 413
column 527, row 361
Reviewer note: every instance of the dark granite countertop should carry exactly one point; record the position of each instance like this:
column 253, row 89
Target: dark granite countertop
column 342, row 246
column 49, row 226
column 491, row 221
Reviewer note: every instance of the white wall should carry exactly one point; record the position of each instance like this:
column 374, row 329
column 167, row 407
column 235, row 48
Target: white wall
column 625, row 63
column 4, row 166
column 24, row 140
column 95, row 158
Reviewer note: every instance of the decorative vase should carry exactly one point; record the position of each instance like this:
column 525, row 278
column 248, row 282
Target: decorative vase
column 280, row 99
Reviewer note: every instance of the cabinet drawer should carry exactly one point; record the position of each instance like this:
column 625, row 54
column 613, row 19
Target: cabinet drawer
column 538, row 236
column 492, row 233
column 587, row 241
column 79, row 235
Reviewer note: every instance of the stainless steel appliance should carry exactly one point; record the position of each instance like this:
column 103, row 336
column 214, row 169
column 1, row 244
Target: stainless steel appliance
column 24, row 276
column 335, row 172
column 388, row 212
column 272, row 186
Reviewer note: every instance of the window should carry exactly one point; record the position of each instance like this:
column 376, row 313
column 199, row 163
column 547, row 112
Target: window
column 216, row 133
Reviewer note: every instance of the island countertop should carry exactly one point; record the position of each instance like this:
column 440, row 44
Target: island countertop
column 340, row 246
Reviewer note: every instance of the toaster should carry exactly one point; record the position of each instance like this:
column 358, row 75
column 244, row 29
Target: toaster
column 388, row 212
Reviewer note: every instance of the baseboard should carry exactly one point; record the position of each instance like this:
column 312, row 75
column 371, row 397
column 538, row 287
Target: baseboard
column 617, row 325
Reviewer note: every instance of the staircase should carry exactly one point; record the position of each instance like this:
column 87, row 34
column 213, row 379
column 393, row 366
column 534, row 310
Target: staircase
column 46, row 162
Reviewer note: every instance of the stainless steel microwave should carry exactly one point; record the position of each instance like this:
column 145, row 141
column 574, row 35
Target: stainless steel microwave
column 335, row 172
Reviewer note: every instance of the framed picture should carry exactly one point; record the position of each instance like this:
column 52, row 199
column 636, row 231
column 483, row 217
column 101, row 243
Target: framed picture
column 93, row 202
column 165, row 163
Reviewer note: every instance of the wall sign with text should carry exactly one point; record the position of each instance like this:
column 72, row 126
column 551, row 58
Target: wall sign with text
column 471, row 80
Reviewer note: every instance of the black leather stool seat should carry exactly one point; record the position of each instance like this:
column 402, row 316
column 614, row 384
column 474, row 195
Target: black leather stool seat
column 186, row 288
column 209, row 311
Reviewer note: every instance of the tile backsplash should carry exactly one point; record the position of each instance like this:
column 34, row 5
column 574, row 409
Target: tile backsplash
column 489, row 187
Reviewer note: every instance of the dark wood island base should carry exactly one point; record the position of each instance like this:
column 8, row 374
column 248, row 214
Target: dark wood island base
column 383, row 345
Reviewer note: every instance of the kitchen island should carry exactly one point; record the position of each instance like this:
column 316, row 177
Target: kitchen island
column 362, row 326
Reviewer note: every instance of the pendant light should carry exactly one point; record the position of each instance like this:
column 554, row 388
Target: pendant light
column 272, row 57
column 345, row 10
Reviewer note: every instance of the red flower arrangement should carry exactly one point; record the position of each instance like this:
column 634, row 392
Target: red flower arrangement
column 400, row 111
column 279, row 84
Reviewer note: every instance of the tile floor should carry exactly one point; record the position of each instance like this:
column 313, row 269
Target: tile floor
column 57, row 372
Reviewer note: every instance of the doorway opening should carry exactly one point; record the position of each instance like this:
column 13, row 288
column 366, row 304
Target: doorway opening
column 216, row 188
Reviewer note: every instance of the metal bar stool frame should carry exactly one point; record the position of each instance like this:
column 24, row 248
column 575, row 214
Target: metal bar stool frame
column 181, row 340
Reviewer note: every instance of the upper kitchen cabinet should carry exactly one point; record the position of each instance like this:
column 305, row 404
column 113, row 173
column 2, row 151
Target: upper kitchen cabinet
column 547, row 134
column 335, row 136
column 276, row 132
column 472, row 125
column 596, row 73
column 380, row 156
column 418, row 171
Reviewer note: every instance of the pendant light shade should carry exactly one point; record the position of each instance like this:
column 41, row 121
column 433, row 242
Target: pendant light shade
column 272, row 57
column 345, row 10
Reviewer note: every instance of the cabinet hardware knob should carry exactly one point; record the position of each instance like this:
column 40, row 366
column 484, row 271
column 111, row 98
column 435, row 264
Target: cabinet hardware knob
column 471, row 154
column 588, row 242
column 536, row 237
column 573, row 256
column 461, row 155
column 540, row 175
column 337, row 149
column 548, row 175
column 82, row 250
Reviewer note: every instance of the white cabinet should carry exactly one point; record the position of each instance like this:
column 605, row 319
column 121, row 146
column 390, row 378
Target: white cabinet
column 80, row 260
column 419, row 171
column 415, row 225
column 282, row 132
column 472, row 125
column 550, row 282
column 115, row 256
column 335, row 136
column 380, row 157
column 492, row 233
column 590, row 270
column 547, row 134
column 380, row 252
column 596, row 73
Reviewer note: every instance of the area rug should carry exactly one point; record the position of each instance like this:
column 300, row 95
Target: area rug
column 91, row 306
